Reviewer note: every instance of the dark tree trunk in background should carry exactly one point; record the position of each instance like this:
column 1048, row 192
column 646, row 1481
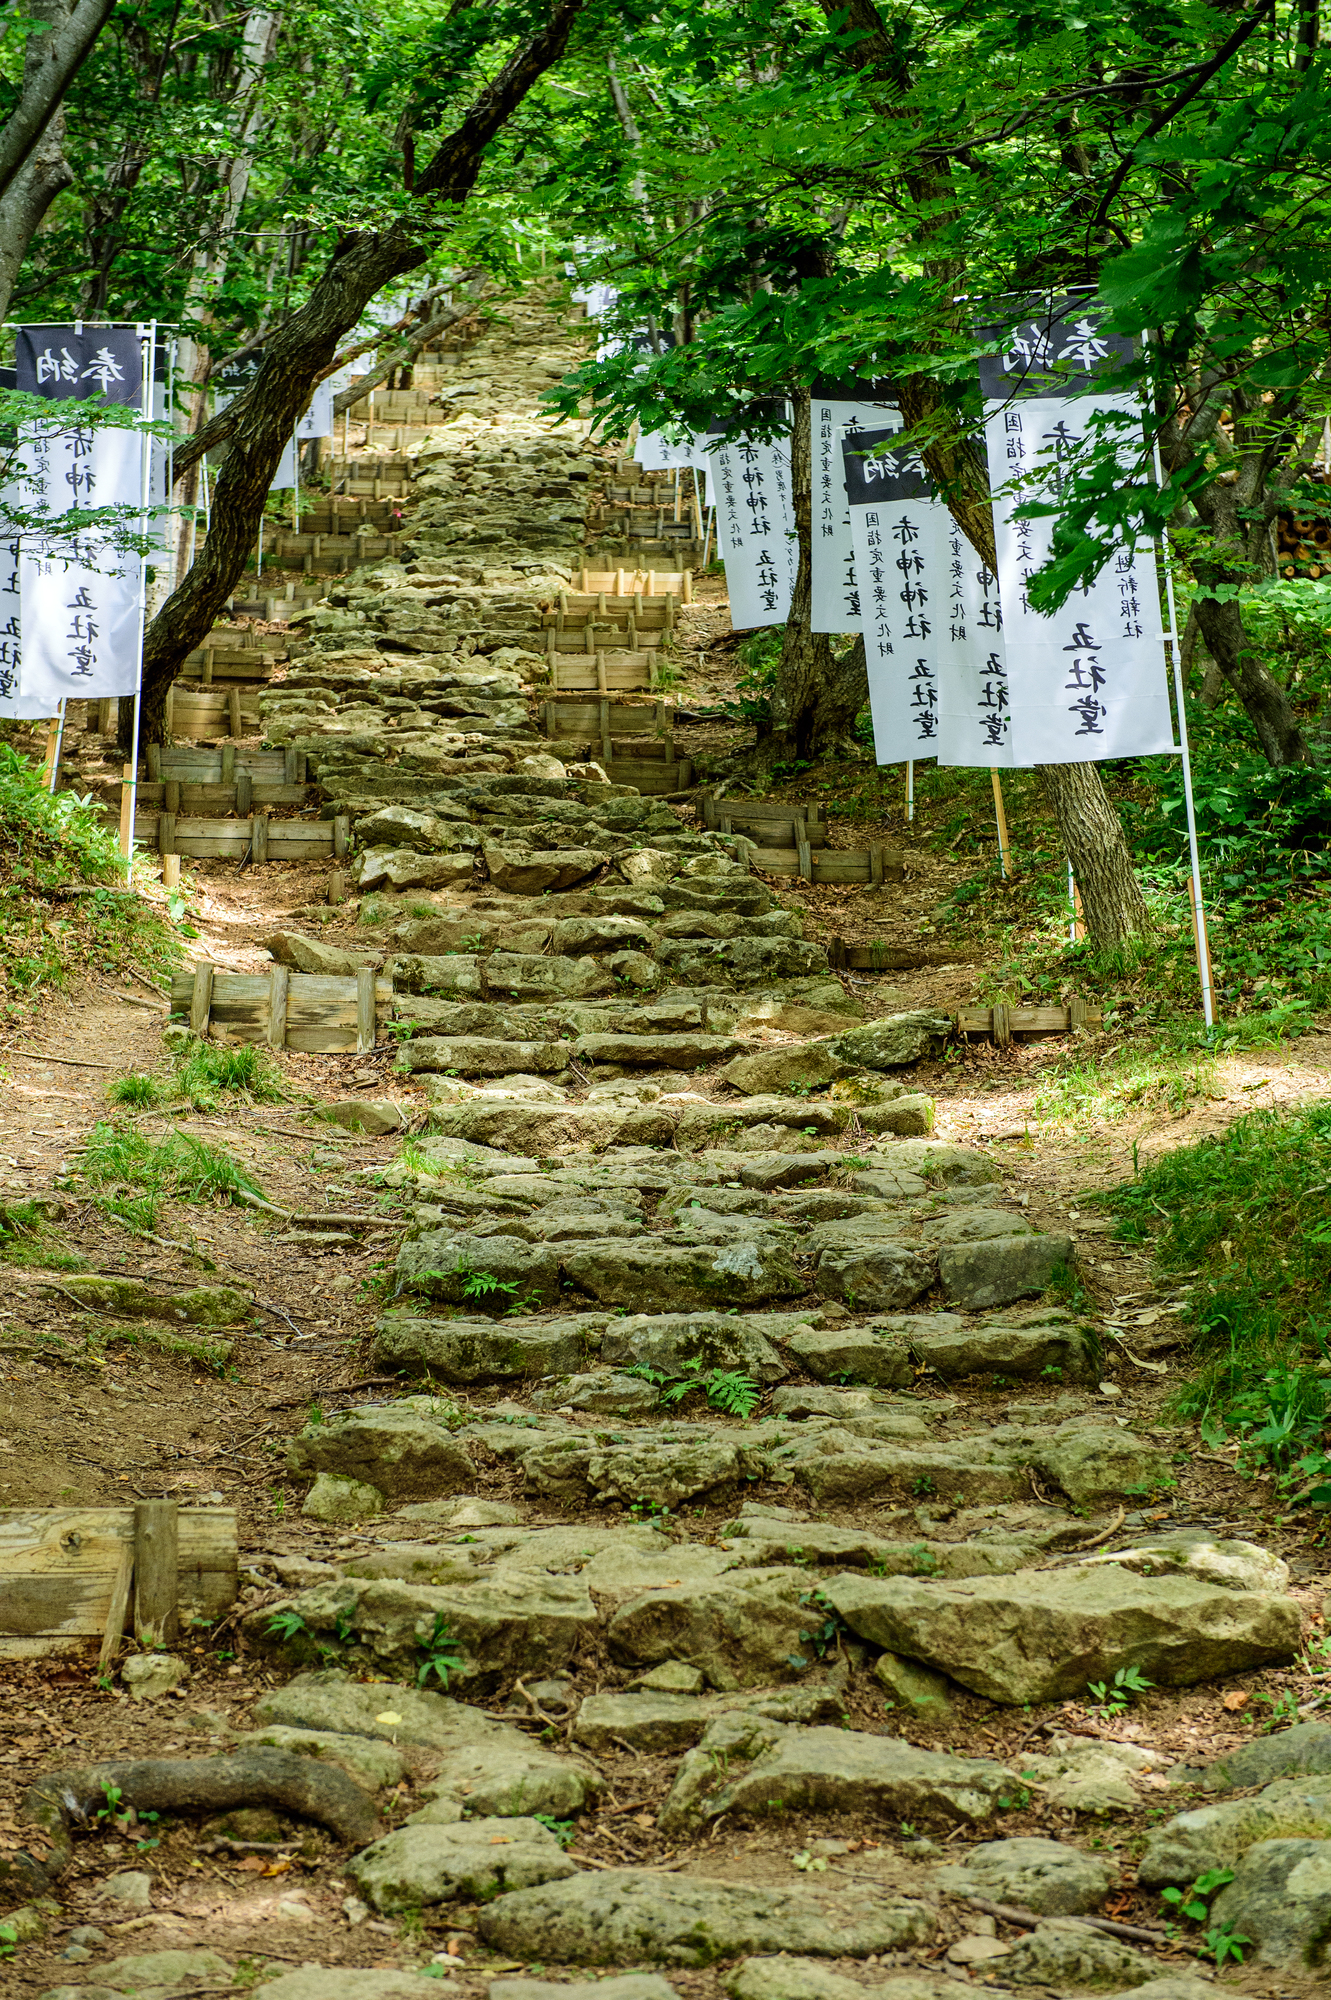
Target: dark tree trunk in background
column 45, row 173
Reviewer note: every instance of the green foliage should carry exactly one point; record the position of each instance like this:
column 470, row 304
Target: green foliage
column 207, row 1072
column 1112, row 1697
column 729, row 1390
column 564, row 1830
column 1220, row 1941
column 8, row 1939
column 439, row 1654
column 136, row 1092
column 132, row 1174
column 758, row 656
column 287, row 1625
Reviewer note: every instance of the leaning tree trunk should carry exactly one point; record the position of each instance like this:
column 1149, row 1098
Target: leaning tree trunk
column 296, row 354
column 1282, row 741
column 815, row 698
column 44, row 174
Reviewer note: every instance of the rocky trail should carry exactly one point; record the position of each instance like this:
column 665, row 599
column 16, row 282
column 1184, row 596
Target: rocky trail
column 708, row 1516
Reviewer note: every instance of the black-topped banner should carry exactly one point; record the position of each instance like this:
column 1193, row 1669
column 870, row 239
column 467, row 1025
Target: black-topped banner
column 1059, row 350
column 101, row 364
column 872, row 480
column 232, row 378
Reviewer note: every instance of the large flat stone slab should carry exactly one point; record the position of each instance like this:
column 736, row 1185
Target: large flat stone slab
column 400, row 1450
column 1039, row 1636
column 752, row 1765
column 465, row 1351
column 659, row 1722
column 744, row 1629
column 1041, row 1875
column 646, row 1275
column 635, row 1914
column 978, row 1276
column 1217, row 1836
column 474, row 1859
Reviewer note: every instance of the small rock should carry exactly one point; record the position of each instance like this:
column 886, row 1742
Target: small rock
column 671, row 1677
column 81, row 1934
column 373, row 1116
column 784, row 1978
column 974, row 1950
column 1087, row 1774
column 148, row 1676
column 629, row 1986
column 130, row 1887
column 333, row 1498
column 911, row 1685
column 164, row 1970
column 316, row 1982
column 476, row 1859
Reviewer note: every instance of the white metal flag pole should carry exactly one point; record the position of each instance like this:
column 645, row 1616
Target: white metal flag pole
column 910, row 788
column 1195, row 884
column 59, row 741
column 1072, row 906
column 148, row 349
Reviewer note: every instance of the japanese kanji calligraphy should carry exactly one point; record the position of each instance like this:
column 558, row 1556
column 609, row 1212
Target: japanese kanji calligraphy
column 838, row 407
column 756, row 528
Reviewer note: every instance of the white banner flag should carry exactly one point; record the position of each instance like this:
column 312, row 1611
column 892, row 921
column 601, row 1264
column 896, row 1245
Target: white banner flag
column 897, row 532
column 12, row 706
column 974, row 709
column 756, row 529
column 836, row 604
column 81, row 608
column 1088, row 682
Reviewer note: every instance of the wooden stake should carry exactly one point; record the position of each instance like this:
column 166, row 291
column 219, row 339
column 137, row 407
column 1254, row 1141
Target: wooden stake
column 170, row 871
column 366, row 1026
column 279, row 983
column 126, row 809
column 1000, row 820
column 201, row 1000
column 115, row 1617
column 156, row 1572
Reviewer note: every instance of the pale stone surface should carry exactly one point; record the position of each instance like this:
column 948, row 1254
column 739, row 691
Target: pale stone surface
column 475, row 1859
column 1032, row 1874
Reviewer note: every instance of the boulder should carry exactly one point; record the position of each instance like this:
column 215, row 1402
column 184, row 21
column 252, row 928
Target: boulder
column 934, row 1160
column 675, row 1342
column 869, row 1354
column 305, row 954
column 519, row 870
column 786, row 1978
column 403, row 868
column 1040, row 1875
column 908, row 1116
column 374, row 1117
column 978, row 1276
column 778, row 1071
column 647, row 1275
column 1044, row 1635
column 400, row 827
column 477, row 1350
column 494, row 1272
column 333, row 1498
column 1097, row 1463
column 1305, row 1747
column 910, row 1685
column 660, row 1722
column 629, row 1986
column 374, row 1765
column 400, row 1450
column 1236, row 1565
column 343, row 1982
column 640, row 1468
column 483, row 1055
column 893, row 1041
column 475, row 1859
column 628, row 1915
column 752, row 1765
column 861, row 1266
column 1057, row 1346
column 1217, row 1836
column 1280, row 1902
column 143, row 1971
column 743, row 1629
column 1061, row 1954
column 529, row 975
column 1090, row 1774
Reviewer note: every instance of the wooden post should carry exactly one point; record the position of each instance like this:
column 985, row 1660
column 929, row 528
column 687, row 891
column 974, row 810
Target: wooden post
column 126, row 809
column 170, row 871
column 1000, row 820
column 208, row 657
column 366, row 1027
column 803, row 851
column 233, row 710
column 244, row 794
column 153, row 753
column 259, row 838
column 876, row 864
column 603, row 711
column 106, row 717
column 171, row 796
column 1000, row 1024
column 341, row 834
column 601, row 685
column 201, row 1000
column 228, row 763
column 291, row 765
column 156, row 1572
column 684, row 774
column 1076, row 1013
column 166, row 833
column 337, row 885
column 279, row 985
column 115, row 1616
column 169, row 716
column 688, row 586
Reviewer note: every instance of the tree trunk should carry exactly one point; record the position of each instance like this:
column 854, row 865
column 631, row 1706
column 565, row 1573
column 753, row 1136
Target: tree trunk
column 296, row 354
column 1236, row 657
column 1093, row 841
column 45, row 172
column 51, row 62
column 815, row 700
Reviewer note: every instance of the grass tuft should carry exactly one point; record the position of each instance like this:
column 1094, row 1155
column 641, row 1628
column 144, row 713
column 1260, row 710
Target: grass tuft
column 132, row 1174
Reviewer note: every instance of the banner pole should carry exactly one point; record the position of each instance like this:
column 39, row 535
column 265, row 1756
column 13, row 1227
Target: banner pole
column 1000, row 821
column 54, row 740
column 1200, row 938
column 707, row 539
column 910, row 788
column 149, row 349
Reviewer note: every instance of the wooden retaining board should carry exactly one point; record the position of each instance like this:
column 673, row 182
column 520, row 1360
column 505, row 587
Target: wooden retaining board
column 653, row 778
column 879, row 863
column 206, row 666
column 229, row 839
column 194, row 712
column 766, row 816
column 225, row 764
column 628, row 582
column 309, row 1011
column 601, row 673
column 60, row 1567
column 203, row 800
column 1003, row 1022
column 595, row 720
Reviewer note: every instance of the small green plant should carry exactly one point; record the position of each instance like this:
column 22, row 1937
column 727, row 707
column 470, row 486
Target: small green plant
column 208, row 1071
column 441, row 1657
column 287, row 1625
column 728, row 1390
column 1222, row 1941
column 8, row 1939
column 136, row 1092
column 1195, row 1903
column 923, row 1561
column 1112, row 1697
column 564, row 1830
column 1284, row 1709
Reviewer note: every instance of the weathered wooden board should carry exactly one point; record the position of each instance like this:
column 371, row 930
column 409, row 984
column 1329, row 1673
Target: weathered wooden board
column 203, row 800
column 195, row 712
column 601, row 673
column 225, row 764
column 769, row 822
column 594, row 721
column 59, row 1568
column 835, row 865
column 653, row 777
column 1002, row 1022
column 230, row 839
column 315, row 1012
column 650, row 582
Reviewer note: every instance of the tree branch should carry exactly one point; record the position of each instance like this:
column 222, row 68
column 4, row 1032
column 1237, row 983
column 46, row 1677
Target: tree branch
column 1185, row 97
column 63, row 54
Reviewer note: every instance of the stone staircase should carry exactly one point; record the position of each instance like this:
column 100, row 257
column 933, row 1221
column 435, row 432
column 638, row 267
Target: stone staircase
column 735, row 1406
